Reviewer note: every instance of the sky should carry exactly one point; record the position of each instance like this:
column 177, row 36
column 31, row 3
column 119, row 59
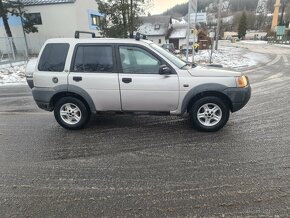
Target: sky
column 159, row 6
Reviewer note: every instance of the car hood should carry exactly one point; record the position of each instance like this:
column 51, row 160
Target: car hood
column 212, row 72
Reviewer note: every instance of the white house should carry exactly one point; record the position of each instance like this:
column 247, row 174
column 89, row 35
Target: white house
column 55, row 18
column 164, row 29
column 157, row 28
column 257, row 35
column 178, row 35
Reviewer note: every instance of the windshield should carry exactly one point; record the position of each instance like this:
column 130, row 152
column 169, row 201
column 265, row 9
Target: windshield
column 175, row 60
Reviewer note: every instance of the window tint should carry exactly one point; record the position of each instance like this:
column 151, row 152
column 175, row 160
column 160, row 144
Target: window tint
column 135, row 60
column 93, row 58
column 53, row 57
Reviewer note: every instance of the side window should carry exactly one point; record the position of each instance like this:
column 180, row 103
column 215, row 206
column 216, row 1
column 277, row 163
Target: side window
column 93, row 58
column 53, row 57
column 138, row 61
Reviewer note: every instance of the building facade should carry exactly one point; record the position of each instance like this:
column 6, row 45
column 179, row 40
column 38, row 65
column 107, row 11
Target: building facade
column 55, row 19
column 156, row 28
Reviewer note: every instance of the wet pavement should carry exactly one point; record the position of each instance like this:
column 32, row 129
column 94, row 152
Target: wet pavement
column 126, row 166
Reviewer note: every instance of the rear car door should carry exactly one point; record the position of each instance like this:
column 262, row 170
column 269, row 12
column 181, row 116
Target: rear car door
column 94, row 70
column 142, row 87
column 50, row 71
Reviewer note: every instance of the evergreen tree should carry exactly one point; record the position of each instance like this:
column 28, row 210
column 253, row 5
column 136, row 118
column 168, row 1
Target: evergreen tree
column 242, row 29
column 121, row 17
column 16, row 8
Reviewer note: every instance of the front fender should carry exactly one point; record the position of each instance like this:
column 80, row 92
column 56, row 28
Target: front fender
column 209, row 87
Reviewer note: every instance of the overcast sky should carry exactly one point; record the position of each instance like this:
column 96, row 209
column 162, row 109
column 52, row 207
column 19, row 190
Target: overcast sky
column 159, row 6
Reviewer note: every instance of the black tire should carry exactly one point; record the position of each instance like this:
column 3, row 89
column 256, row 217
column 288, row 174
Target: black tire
column 82, row 113
column 198, row 107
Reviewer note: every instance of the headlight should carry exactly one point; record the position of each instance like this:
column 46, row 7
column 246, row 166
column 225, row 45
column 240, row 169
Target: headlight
column 242, row 81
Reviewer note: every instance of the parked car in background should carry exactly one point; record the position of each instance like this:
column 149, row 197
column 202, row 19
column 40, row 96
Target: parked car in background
column 184, row 49
column 169, row 47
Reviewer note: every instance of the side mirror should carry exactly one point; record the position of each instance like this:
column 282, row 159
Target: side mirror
column 164, row 70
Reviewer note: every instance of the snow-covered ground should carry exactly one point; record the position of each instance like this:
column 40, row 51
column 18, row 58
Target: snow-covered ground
column 260, row 42
column 231, row 57
column 255, row 42
column 14, row 74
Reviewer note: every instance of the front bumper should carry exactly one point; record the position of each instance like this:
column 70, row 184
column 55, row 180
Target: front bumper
column 238, row 96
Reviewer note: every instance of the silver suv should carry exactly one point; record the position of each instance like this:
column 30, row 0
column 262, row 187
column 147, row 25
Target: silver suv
column 76, row 78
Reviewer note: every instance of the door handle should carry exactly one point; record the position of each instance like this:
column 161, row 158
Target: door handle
column 127, row 80
column 77, row 78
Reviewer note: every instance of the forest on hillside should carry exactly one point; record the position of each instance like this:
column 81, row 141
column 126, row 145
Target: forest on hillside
column 235, row 6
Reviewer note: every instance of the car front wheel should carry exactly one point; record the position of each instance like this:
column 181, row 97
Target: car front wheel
column 71, row 113
column 209, row 114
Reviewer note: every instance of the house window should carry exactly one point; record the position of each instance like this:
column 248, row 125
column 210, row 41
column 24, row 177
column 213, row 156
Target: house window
column 159, row 41
column 34, row 18
column 95, row 19
column 157, row 27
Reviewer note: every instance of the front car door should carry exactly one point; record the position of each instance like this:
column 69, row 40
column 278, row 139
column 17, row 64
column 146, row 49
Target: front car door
column 94, row 70
column 142, row 87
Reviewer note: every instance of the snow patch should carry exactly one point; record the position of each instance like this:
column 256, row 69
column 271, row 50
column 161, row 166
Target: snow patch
column 14, row 74
column 254, row 42
column 231, row 57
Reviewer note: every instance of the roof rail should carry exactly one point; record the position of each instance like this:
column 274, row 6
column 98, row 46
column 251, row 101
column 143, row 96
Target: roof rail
column 139, row 35
column 77, row 34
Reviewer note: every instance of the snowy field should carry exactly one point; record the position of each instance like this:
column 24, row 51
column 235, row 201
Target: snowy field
column 231, row 57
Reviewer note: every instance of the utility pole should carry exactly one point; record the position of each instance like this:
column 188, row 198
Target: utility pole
column 281, row 23
column 131, row 20
column 276, row 15
column 192, row 8
column 188, row 31
column 218, row 24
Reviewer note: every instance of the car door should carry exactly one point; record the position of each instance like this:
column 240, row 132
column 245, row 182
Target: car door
column 142, row 87
column 94, row 71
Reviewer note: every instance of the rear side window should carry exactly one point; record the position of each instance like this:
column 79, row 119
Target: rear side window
column 93, row 58
column 53, row 57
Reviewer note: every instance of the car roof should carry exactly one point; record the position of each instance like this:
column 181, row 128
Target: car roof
column 99, row 40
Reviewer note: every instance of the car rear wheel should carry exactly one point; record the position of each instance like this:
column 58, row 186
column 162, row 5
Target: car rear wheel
column 71, row 113
column 209, row 114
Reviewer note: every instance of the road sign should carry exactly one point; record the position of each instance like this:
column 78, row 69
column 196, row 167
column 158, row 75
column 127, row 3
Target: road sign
column 199, row 17
column 280, row 30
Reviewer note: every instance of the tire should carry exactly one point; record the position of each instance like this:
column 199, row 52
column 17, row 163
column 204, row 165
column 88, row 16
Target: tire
column 71, row 113
column 209, row 114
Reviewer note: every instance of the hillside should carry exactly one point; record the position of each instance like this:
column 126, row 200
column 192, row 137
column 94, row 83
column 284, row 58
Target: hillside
column 230, row 6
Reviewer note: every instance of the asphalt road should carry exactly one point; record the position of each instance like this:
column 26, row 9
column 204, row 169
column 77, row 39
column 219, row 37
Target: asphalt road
column 126, row 166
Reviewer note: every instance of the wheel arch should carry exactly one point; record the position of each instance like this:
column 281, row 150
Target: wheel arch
column 76, row 92
column 217, row 94
column 205, row 90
